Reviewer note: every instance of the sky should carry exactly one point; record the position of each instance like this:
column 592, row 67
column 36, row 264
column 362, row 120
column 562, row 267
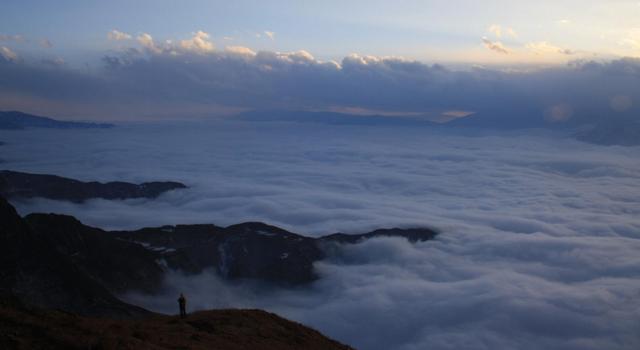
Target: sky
column 156, row 60
column 442, row 31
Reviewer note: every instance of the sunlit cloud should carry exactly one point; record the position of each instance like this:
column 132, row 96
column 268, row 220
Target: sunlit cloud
column 543, row 47
column 199, row 43
column 500, row 31
column 631, row 40
column 146, row 40
column 240, row 50
column 118, row 35
column 8, row 54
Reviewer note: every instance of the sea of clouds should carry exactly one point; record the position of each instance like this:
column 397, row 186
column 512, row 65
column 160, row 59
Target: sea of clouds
column 539, row 233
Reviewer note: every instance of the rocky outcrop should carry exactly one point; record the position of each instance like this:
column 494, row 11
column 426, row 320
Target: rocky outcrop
column 15, row 184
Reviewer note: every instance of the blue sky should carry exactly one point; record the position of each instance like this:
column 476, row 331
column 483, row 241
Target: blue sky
column 431, row 31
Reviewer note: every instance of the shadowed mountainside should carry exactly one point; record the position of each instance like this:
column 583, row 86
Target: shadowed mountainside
column 37, row 273
column 55, row 261
column 137, row 260
column 15, row 184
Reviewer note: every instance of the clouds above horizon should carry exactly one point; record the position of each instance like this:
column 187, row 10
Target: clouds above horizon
column 118, row 35
column 191, row 76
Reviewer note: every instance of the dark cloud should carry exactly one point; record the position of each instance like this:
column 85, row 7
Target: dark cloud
column 143, row 82
column 495, row 46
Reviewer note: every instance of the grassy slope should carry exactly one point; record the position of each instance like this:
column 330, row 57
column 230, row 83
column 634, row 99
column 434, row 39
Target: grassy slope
column 23, row 328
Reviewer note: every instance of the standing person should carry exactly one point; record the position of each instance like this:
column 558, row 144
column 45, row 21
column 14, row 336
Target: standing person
column 182, row 301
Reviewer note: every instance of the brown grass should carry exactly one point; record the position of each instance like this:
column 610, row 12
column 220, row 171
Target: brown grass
column 22, row 328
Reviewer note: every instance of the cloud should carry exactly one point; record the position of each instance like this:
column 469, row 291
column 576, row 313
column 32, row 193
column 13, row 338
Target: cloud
column 621, row 103
column 540, row 233
column 15, row 38
column 46, row 43
column 199, row 43
column 543, row 47
column 193, row 79
column 631, row 39
column 8, row 54
column 240, row 50
column 146, row 40
column 270, row 35
column 495, row 46
column 118, row 35
column 55, row 61
column 499, row 31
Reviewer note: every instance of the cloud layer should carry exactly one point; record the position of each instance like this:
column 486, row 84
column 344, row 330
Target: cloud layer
column 193, row 78
column 539, row 233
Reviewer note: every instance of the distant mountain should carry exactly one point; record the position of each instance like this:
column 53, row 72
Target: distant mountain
column 15, row 184
column 332, row 118
column 23, row 327
column 55, row 261
column 18, row 120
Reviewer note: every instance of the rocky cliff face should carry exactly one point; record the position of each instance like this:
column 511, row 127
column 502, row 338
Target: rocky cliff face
column 15, row 184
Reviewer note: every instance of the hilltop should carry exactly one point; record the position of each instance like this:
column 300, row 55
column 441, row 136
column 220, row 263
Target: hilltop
column 27, row 328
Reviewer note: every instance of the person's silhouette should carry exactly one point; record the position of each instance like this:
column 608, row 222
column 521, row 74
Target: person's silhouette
column 182, row 301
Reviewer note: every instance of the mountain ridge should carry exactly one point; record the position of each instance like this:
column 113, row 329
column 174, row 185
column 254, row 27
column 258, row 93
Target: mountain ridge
column 27, row 185
column 55, row 261
column 16, row 120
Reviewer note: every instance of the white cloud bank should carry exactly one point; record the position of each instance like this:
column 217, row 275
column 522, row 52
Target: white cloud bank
column 539, row 244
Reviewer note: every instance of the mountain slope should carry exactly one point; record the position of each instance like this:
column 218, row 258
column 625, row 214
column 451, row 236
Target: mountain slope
column 39, row 275
column 28, row 328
